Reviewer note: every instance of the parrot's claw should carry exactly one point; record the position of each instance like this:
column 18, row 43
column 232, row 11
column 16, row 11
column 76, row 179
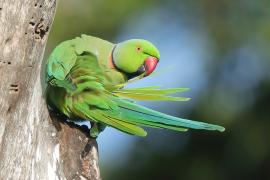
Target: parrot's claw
column 96, row 128
column 93, row 134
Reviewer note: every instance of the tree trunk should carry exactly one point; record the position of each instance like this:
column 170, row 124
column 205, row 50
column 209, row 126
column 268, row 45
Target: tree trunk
column 31, row 146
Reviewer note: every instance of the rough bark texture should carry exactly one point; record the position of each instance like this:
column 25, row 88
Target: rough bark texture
column 31, row 147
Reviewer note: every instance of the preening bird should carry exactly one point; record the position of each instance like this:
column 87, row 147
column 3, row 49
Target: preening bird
column 85, row 81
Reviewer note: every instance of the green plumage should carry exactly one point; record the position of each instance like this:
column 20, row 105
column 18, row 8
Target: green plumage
column 83, row 86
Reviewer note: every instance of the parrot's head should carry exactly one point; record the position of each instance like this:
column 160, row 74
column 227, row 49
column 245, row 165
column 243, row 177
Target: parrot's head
column 135, row 57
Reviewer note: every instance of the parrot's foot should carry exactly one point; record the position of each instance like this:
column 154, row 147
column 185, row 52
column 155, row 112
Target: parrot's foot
column 96, row 128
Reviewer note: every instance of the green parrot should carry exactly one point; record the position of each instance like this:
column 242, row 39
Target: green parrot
column 85, row 81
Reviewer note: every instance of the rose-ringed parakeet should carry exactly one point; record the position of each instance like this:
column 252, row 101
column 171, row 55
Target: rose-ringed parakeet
column 86, row 78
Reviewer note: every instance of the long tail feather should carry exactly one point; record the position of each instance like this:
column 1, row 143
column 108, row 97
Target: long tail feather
column 140, row 121
column 135, row 111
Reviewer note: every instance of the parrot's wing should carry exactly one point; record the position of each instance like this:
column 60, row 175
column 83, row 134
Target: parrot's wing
column 99, row 115
column 90, row 98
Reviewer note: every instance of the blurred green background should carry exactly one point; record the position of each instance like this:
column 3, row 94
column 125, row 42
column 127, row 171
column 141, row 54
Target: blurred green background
column 220, row 49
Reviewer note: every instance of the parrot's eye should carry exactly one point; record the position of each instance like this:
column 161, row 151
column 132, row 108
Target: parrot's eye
column 139, row 49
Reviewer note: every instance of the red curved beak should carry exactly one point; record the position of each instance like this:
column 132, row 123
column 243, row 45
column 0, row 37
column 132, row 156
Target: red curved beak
column 150, row 65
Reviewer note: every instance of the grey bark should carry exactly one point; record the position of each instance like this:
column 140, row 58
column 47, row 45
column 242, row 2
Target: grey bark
column 31, row 146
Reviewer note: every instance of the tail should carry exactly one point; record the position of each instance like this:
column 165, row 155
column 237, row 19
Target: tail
column 143, row 116
column 127, row 116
